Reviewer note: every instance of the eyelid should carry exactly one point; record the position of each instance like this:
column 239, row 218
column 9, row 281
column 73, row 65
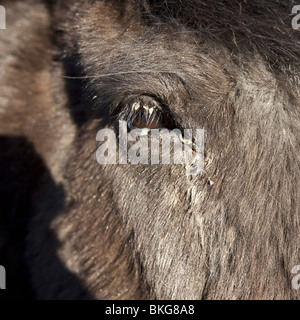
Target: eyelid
column 135, row 103
column 130, row 100
column 140, row 115
column 144, row 112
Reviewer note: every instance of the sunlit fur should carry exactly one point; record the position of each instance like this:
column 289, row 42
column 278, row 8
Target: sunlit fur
column 131, row 232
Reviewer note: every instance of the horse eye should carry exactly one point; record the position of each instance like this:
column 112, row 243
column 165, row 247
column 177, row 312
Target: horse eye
column 146, row 113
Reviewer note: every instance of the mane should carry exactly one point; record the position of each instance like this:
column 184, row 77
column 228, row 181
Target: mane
column 241, row 25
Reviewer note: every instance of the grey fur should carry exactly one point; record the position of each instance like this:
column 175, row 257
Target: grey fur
column 131, row 232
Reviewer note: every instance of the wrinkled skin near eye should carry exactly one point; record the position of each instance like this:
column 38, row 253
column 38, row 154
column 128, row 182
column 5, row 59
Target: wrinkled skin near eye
column 145, row 112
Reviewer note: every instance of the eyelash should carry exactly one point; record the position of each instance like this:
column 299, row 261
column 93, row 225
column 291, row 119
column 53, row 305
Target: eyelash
column 145, row 113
